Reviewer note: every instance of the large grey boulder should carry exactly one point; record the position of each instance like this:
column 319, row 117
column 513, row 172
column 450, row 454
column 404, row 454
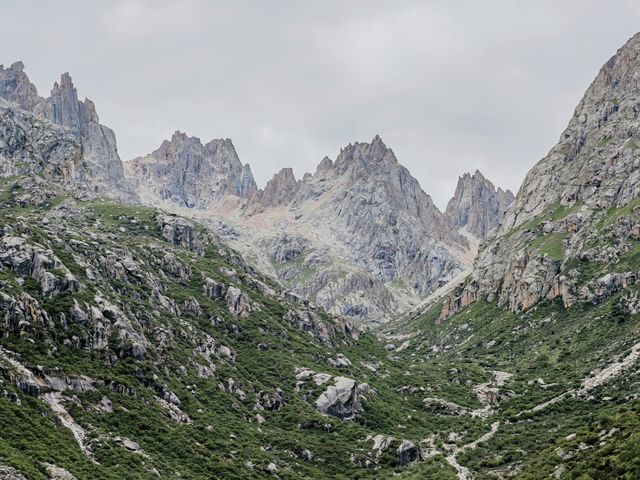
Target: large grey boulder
column 340, row 399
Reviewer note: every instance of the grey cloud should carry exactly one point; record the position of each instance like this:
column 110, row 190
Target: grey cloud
column 450, row 86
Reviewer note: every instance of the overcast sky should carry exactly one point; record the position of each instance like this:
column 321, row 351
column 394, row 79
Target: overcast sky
column 450, row 86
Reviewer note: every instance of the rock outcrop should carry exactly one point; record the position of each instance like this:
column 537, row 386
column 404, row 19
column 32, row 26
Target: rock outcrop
column 16, row 87
column 341, row 399
column 477, row 206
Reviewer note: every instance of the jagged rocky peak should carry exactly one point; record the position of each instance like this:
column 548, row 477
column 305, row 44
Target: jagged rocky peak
column 280, row 190
column 561, row 219
column 477, row 206
column 364, row 158
column 97, row 171
column 360, row 235
column 16, row 87
column 325, row 164
column 186, row 173
column 586, row 165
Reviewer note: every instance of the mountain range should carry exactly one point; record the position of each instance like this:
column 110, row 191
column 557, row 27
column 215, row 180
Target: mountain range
column 166, row 318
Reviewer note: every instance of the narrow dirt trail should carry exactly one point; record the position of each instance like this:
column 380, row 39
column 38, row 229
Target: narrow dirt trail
column 595, row 379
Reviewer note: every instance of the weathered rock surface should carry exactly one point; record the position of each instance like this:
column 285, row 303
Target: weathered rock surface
column 16, row 87
column 569, row 211
column 185, row 173
column 341, row 399
column 477, row 206
column 359, row 237
column 83, row 153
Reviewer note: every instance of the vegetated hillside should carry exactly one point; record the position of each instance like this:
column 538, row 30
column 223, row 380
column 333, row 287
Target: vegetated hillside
column 136, row 345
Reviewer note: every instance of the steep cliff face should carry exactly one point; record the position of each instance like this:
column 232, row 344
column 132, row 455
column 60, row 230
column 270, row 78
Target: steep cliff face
column 185, row 173
column 16, row 87
column 99, row 170
column 477, row 206
column 574, row 220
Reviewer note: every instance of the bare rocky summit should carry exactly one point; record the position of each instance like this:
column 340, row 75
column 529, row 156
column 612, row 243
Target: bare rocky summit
column 94, row 166
column 358, row 237
column 185, row 173
column 477, row 206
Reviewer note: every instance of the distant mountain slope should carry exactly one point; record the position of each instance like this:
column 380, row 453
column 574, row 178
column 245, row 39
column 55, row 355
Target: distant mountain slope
column 573, row 231
column 359, row 236
column 185, row 173
column 477, row 206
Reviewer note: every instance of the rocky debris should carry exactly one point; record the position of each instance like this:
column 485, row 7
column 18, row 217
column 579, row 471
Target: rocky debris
column 55, row 401
column 213, row 289
column 80, row 383
column 18, row 313
column 408, row 453
column 476, row 205
column 321, row 378
column 172, row 411
column 273, row 402
column 444, row 406
column 611, row 371
column 183, row 172
column 340, row 361
column 58, row 473
column 10, row 473
column 36, row 262
column 311, row 322
column 285, row 248
column 381, row 443
column 181, row 232
column 130, row 445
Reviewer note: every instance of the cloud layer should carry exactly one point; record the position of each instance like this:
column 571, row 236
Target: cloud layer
column 450, row 86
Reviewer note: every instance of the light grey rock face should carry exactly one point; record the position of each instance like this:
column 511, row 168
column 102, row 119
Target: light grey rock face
column 477, row 205
column 280, row 190
column 10, row 473
column 185, row 173
column 359, row 237
column 16, row 87
column 102, row 171
column 341, row 399
column 31, row 145
column 96, row 170
column 408, row 453
column 560, row 214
